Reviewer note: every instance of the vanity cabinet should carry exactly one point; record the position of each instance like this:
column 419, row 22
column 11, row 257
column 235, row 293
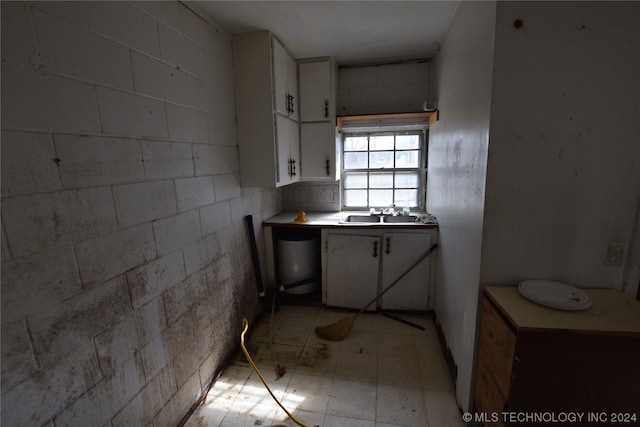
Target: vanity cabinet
column 357, row 265
column 318, row 93
column 266, row 110
column 534, row 359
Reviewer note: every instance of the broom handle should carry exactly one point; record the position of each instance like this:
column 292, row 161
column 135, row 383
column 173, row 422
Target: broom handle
column 431, row 249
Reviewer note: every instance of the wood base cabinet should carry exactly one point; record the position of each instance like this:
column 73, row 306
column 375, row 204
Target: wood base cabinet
column 533, row 360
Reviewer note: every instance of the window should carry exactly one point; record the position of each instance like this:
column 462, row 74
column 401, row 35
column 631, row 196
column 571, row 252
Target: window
column 383, row 168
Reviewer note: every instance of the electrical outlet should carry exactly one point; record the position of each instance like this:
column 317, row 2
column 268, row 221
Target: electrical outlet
column 615, row 254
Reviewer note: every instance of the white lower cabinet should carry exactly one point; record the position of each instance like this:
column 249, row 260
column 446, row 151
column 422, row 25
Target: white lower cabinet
column 358, row 265
column 352, row 267
column 401, row 251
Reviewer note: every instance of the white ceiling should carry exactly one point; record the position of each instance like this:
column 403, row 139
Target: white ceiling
column 354, row 32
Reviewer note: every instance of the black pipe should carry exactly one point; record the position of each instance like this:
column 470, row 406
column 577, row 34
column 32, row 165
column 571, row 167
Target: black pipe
column 254, row 256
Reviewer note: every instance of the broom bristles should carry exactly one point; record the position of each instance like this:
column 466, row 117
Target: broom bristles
column 336, row 331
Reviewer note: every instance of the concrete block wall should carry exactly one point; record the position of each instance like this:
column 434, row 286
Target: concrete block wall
column 384, row 88
column 126, row 266
column 312, row 196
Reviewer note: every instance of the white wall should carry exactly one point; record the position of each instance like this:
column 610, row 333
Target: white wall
column 564, row 156
column 562, row 161
column 125, row 262
column 385, row 88
column 458, row 146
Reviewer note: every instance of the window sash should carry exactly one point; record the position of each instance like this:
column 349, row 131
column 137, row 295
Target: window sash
column 369, row 182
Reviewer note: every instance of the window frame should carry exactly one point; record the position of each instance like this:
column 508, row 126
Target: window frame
column 421, row 131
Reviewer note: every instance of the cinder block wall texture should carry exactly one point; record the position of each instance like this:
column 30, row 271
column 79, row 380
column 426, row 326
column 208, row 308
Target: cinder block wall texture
column 125, row 260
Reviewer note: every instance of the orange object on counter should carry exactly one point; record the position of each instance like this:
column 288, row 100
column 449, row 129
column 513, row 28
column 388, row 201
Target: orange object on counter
column 301, row 218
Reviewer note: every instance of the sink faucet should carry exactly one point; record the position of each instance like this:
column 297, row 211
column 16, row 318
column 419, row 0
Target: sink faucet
column 383, row 211
column 389, row 209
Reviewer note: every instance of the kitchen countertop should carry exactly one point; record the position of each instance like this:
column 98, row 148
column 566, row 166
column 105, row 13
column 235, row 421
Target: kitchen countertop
column 331, row 219
column 612, row 311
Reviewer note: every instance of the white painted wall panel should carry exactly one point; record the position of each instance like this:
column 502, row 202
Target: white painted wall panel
column 106, row 256
column 215, row 217
column 195, row 192
column 458, row 146
column 142, row 202
column 166, row 159
column 17, row 23
column 95, row 161
column 40, row 221
column 152, row 279
column 177, row 231
column 227, row 186
column 563, row 179
column 93, row 58
column 33, row 100
column 124, row 113
column 185, row 54
column 386, row 88
column 38, row 280
column 187, row 124
column 28, row 163
column 124, row 23
column 158, row 79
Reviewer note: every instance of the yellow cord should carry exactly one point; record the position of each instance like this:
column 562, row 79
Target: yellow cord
column 245, row 324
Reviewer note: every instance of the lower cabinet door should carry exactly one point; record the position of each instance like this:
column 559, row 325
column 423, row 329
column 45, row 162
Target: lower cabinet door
column 401, row 251
column 353, row 263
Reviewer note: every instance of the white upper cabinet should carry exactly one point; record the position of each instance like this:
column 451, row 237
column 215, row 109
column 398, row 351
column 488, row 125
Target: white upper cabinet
column 316, row 100
column 266, row 111
column 318, row 92
column 285, row 82
column 288, row 146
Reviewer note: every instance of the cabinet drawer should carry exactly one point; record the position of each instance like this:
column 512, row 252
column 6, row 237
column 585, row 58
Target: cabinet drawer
column 496, row 348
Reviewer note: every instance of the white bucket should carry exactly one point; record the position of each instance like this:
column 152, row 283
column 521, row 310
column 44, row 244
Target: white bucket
column 298, row 260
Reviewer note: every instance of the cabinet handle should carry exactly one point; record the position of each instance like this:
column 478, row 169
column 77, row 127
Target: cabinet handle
column 375, row 249
column 388, row 249
column 293, row 162
column 289, row 103
column 290, row 168
column 326, row 109
column 327, row 166
column 289, row 99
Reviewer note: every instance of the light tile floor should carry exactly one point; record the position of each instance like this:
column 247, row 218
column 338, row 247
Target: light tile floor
column 382, row 374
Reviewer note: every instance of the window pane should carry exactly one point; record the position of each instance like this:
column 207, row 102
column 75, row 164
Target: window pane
column 407, row 142
column 407, row 180
column 381, row 180
column 381, row 159
column 355, row 180
column 410, row 195
column 355, row 143
column 382, row 142
column 407, row 159
column 355, row 198
column 380, row 197
column 355, row 160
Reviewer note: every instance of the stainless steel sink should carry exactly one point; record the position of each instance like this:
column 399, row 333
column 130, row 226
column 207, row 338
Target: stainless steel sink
column 402, row 219
column 360, row 219
column 378, row 219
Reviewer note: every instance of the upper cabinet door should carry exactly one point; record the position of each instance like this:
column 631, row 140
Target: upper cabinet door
column 315, row 91
column 285, row 82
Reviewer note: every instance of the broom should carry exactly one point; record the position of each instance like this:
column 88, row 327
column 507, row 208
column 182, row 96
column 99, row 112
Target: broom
column 338, row 330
